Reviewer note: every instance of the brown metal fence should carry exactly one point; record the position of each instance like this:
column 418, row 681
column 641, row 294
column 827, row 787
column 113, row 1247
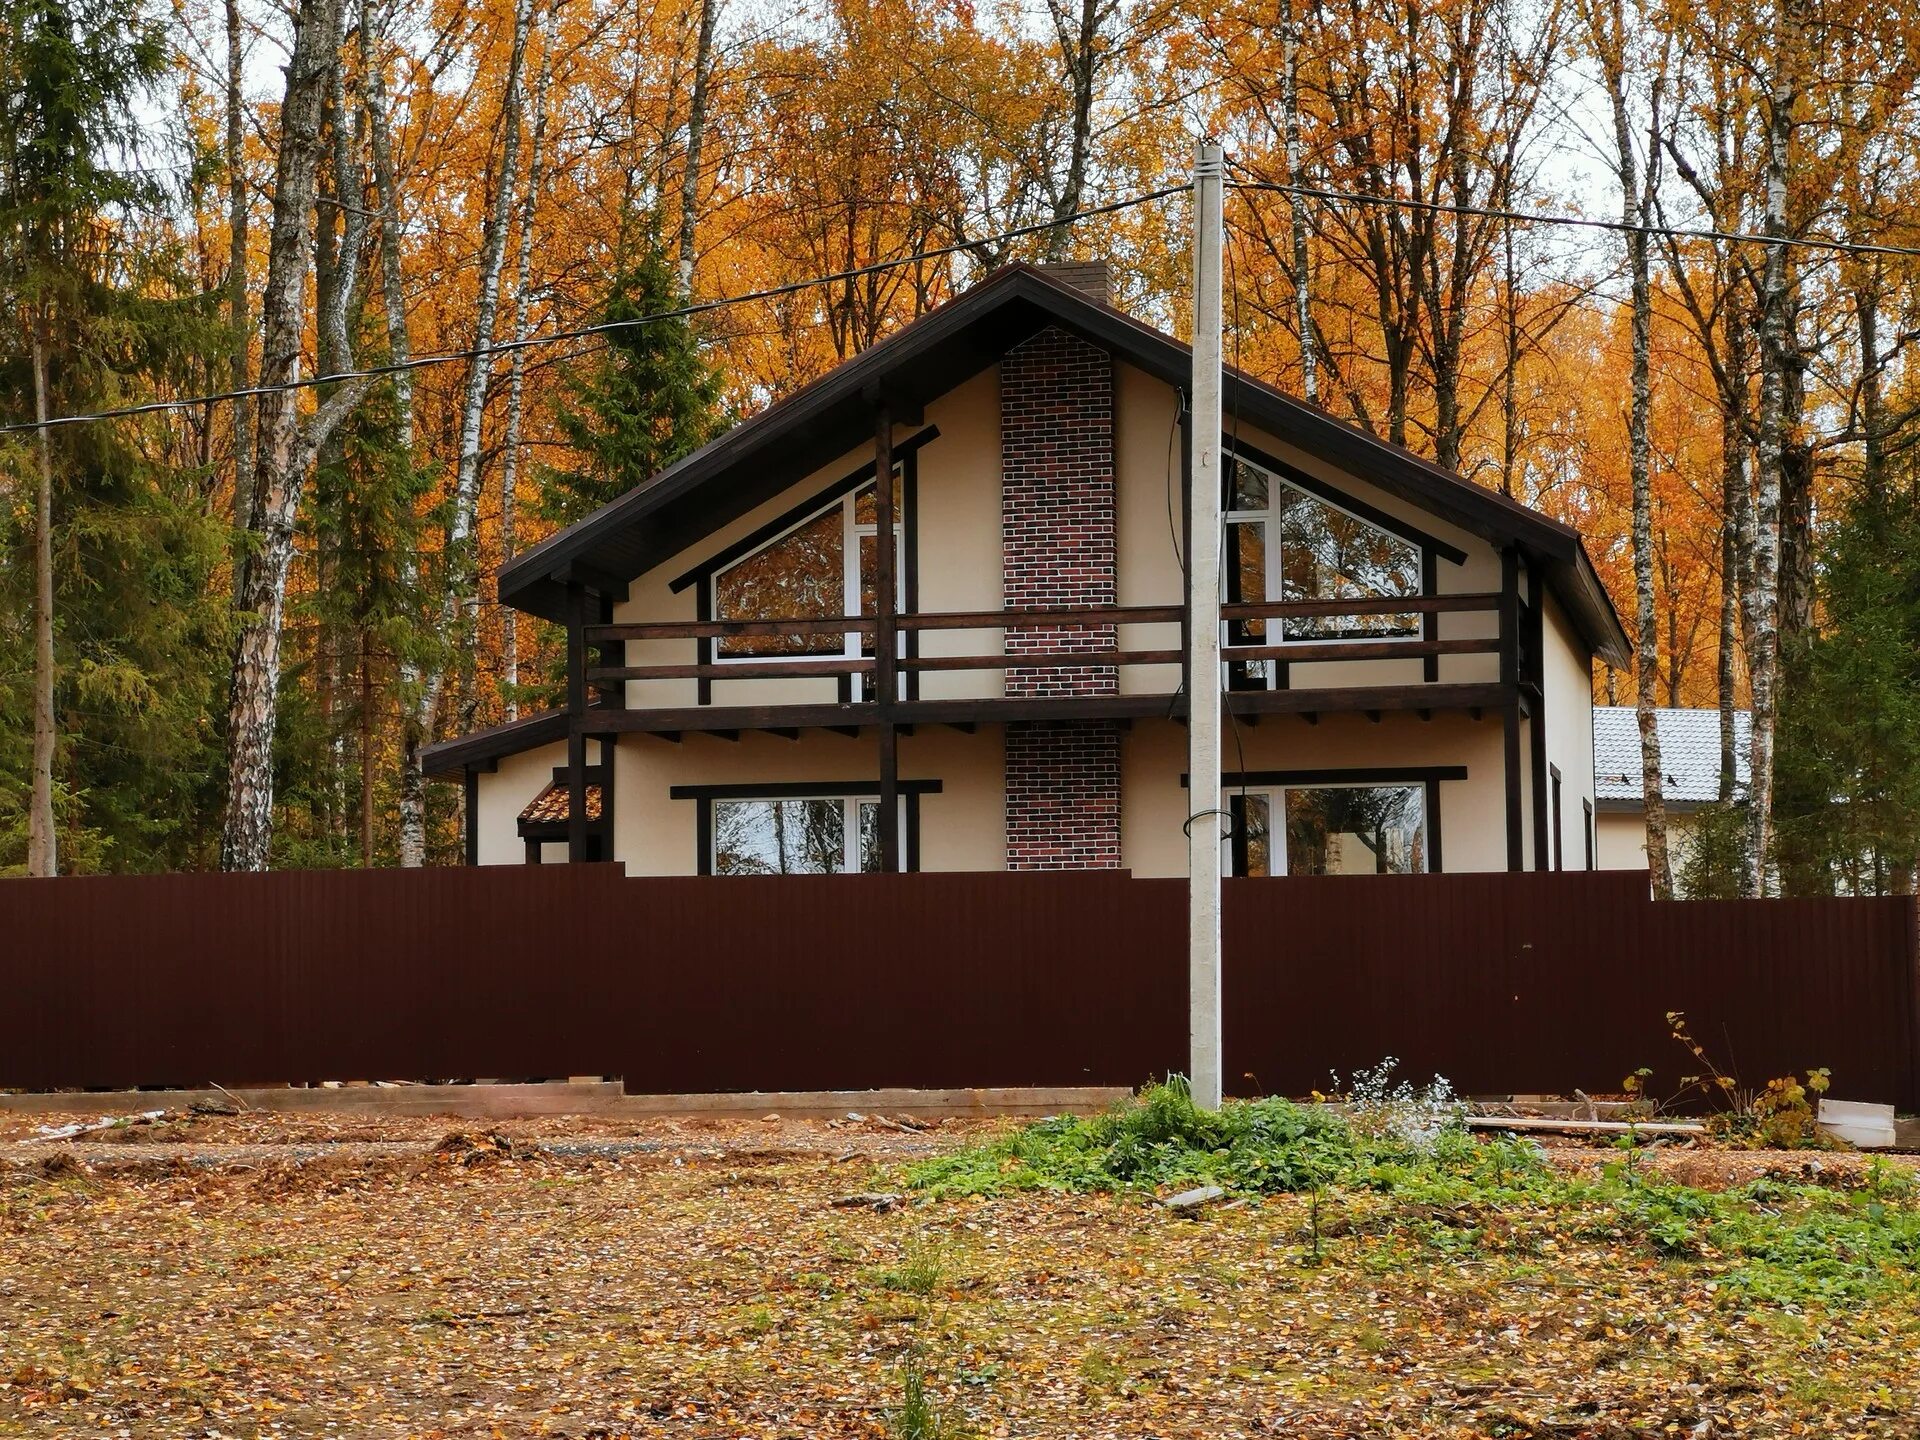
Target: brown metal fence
column 1504, row 983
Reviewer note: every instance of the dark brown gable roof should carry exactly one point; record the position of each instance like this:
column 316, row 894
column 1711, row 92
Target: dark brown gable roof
column 762, row 456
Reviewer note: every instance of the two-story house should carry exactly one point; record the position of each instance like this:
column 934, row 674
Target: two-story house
column 777, row 665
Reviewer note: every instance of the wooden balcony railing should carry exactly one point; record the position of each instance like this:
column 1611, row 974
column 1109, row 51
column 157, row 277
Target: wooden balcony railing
column 1093, row 617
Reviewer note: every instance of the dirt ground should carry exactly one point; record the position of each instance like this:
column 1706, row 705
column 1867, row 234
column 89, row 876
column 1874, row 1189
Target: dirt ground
column 359, row 1276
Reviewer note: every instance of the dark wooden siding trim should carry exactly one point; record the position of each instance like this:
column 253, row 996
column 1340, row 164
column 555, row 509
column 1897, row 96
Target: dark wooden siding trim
column 791, row 517
column 799, row 790
column 1392, row 524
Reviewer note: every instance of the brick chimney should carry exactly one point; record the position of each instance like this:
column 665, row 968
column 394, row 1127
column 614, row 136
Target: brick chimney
column 1058, row 550
column 1089, row 277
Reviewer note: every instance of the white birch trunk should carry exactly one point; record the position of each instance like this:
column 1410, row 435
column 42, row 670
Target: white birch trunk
column 1763, row 595
column 461, row 602
column 516, row 390
column 696, row 140
column 285, row 447
column 237, row 217
column 1297, row 205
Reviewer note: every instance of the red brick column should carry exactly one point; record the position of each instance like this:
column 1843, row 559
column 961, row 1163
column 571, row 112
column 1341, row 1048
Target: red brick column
column 1058, row 547
column 1063, row 795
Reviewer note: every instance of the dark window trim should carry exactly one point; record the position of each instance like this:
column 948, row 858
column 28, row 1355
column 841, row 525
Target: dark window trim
column 800, row 790
column 1375, row 775
column 1428, row 777
column 805, row 510
column 1392, row 524
column 1559, row 828
column 1587, row 806
column 705, row 795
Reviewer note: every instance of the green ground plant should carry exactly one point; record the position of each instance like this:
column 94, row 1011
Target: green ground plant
column 1780, row 1241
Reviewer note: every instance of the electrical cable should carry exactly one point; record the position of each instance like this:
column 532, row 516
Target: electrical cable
column 1580, row 222
column 585, row 332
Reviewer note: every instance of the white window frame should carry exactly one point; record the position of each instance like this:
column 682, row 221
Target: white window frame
column 851, row 533
column 1277, row 627
column 849, row 823
column 1276, row 797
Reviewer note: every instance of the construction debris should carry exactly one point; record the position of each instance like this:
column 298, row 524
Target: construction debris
column 1558, row 1126
column 94, row 1127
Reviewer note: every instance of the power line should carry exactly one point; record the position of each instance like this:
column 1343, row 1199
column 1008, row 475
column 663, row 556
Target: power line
column 584, row 332
column 1581, row 222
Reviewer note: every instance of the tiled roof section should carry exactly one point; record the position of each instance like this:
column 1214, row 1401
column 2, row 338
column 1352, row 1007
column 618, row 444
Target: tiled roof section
column 1689, row 754
column 550, row 806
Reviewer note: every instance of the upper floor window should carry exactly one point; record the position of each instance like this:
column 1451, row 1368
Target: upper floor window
column 1287, row 544
column 821, row 567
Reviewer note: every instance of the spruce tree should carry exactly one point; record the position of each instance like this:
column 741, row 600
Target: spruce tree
column 95, row 311
column 1847, row 805
column 648, row 398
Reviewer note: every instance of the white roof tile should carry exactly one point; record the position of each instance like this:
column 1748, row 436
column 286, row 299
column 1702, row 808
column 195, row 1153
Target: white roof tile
column 1689, row 753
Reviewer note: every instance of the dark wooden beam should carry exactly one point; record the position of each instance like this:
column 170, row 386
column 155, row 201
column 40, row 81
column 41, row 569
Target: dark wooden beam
column 577, row 614
column 607, row 776
column 851, row 718
column 1537, row 720
column 886, row 633
column 1510, row 706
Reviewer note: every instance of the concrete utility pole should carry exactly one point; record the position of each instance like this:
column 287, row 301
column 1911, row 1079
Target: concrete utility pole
column 1203, row 640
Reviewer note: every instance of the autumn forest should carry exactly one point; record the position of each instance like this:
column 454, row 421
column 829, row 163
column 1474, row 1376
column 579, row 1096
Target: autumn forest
column 1649, row 265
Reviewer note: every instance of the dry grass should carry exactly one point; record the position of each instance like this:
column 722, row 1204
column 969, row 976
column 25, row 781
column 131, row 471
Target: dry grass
column 706, row 1285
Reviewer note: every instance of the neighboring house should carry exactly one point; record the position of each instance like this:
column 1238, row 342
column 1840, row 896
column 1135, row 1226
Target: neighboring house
column 776, row 666
column 1689, row 764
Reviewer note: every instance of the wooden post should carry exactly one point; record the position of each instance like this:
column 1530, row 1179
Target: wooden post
column 1510, row 708
column 576, row 722
column 885, row 645
column 612, row 653
column 1536, row 675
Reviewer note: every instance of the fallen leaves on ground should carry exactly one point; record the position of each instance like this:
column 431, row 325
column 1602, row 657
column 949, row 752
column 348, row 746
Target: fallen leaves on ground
column 709, row 1285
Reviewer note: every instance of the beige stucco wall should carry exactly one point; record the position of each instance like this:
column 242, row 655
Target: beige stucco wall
column 1623, row 839
column 1154, row 805
column 961, row 828
column 1569, row 726
column 505, row 792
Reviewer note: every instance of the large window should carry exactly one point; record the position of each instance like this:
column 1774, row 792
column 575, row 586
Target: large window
column 1284, row 543
column 822, row 835
column 1328, row 829
column 800, row 827
column 823, row 566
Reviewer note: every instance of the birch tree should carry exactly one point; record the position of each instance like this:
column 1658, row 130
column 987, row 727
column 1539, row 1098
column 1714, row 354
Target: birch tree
column 459, row 607
column 1612, row 39
column 517, row 382
column 1781, row 97
column 286, row 443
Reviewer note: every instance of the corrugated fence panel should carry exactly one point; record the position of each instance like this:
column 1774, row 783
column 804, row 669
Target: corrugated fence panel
column 1503, row 983
column 1541, row 983
column 185, row 979
column 846, row 982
